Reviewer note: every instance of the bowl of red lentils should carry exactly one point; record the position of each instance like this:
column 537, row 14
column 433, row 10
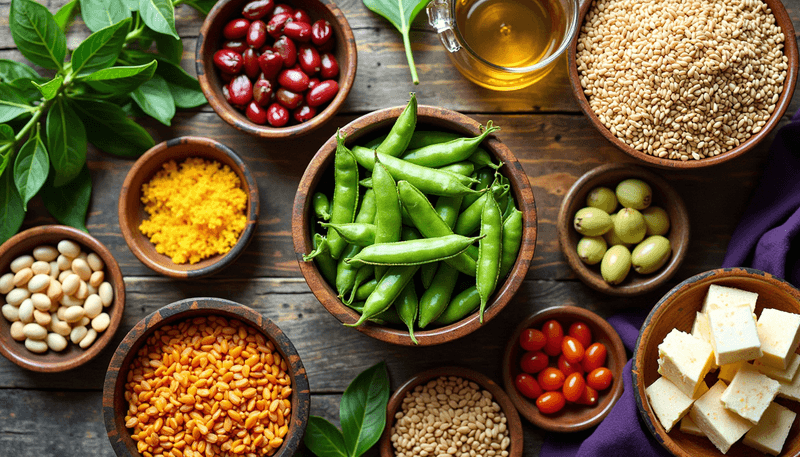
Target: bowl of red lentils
column 206, row 377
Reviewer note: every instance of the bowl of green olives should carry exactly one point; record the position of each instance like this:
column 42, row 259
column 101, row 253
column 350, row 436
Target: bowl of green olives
column 623, row 230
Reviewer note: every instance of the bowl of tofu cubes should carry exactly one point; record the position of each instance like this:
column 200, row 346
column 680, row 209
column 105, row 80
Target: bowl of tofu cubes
column 716, row 366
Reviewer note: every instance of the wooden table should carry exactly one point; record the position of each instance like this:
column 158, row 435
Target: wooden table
column 60, row 414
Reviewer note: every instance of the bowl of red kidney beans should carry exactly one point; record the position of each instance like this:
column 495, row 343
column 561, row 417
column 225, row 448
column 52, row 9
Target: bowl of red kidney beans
column 276, row 70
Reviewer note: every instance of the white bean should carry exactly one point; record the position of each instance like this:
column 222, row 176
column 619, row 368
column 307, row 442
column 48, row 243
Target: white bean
column 97, row 278
column 101, row 322
column 106, row 293
column 83, row 291
column 16, row 296
column 77, row 334
column 69, row 248
column 42, row 318
column 92, row 289
column 73, row 314
column 54, row 270
column 66, row 300
column 56, row 342
column 45, row 253
column 82, row 269
column 22, row 277
column 63, row 262
column 95, row 262
column 85, row 322
column 23, row 261
column 41, row 301
column 87, row 340
column 16, row 331
column 54, row 291
column 60, row 327
column 38, row 347
column 11, row 313
column 40, row 267
column 71, row 284
column 26, row 311
column 63, row 275
column 6, row 283
column 34, row 331
column 39, row 282
column 83, row 255
column 93, row 306
column 60, row 312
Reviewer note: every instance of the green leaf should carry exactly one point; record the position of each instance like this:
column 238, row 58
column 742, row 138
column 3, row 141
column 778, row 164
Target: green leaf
column 99, row 14
column 159, row 15
column 121, row 80
column 155, row 99
column 323, row 439
column 66, row 142
column 12, row 212
column 109, row 129
column 69, row 204
column 203, row 6
column 101, row 49
column 12, row 103
column 10, row 70
column 30, row 169
column 184, row 88
column 50, row 88
column 363, row 409
column 169, row 47
column 65, row 15
column 132, row 5
column 6, row 134
column 401, row 14
column 36, row 34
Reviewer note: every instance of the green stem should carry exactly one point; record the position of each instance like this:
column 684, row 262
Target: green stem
column 410, row 58
column 137, row 29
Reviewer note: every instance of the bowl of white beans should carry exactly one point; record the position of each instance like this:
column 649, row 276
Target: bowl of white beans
column 62, row 296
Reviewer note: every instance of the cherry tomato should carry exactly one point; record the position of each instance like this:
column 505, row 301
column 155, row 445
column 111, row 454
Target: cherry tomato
column 581, row 332
column 532, row 340
column 599, row 378
column 551, row 379
column 568, row 368
column 534, row 362
column 572, row 349
column 574, row 387
column 594, row 357
column 527, row 386
column 554, row 333
column 550, row 402
column 588, row 397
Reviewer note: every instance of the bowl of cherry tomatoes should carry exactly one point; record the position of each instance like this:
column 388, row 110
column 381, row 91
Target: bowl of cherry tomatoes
column 563, row 367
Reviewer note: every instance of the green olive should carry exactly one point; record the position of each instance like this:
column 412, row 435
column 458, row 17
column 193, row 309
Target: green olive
column 616, row 264
column 651, row 254
column 629, row 225
column 591, row 249
column 634, row 193
column 592, row 222
column 602, row 198
column 656, row 220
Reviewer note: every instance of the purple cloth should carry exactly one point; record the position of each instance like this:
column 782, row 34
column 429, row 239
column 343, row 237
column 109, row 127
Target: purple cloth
column 763, row 240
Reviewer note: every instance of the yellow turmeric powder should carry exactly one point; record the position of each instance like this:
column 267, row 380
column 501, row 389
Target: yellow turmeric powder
column 197, row 209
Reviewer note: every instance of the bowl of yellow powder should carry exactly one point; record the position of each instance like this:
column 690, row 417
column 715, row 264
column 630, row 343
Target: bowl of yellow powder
column 188, row 207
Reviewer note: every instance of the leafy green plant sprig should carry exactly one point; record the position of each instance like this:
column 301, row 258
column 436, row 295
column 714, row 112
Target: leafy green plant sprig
column 128, row 66
column 401, row 14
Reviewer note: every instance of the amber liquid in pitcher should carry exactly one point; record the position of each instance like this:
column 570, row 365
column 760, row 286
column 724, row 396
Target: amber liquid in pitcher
column 511, row 33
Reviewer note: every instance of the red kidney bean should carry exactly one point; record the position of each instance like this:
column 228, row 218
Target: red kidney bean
column 271, row 64
column 257, row 34
column 258, row 9
column 287, row 98
column 294, row 80
column 298, row 31
column 251, row 68
column 276, row 24
column 241, row 90
column 237, row 46
column 300, row 15
column 322, row 93
column 329, row 65
column 256, row 113
column 287, row 49
column 312, row 82
column 277, row 115
column 309, row 59
column 228, row 61
column 304, row 113
column 321, row 32
column 236, row 28
column 283, row 8
column 262, row 92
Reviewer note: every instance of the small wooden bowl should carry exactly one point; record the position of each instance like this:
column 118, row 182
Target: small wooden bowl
column 782, row 18
column 514, row 425
column 677, row 310
column 319, row 170
column 115, row 406
column 572, row 418
column 664, row 195
column 132, row 213
column 210, row 41
column 73, row 356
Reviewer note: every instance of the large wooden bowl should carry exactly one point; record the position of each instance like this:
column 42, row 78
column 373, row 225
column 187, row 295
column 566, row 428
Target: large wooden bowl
column 210, row 41
column 677, row 310
column 115, row 406
column 790, row 50
column 73, row 356
column 664, row 195
column 321, row 170
column 131, row 210
column 507, row 405
column 573, row 417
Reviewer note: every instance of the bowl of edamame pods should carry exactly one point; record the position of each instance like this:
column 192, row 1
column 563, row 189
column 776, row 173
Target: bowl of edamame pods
column 414, row 224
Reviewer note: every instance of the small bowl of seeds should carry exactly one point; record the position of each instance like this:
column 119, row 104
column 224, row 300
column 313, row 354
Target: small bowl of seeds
column 464, row 405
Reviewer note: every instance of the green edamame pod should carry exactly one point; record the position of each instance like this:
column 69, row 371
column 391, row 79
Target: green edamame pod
column 481, row 159
column 345, row 194
column 366, row 182
column 436, row 298
column 372, row 144
column 325, row 263
column 489, row 251
column 485, row 178
column 405, row 217
column 397, row 140
column 355, row 233
column 362, row 275
column 470, row 219
column 413, row 252
column 427, row 272
column 422, row 138
column 409, row 233
column 345, row 273
column 407, row 305
column 462, row 305
column 365, row 290
column 510, row 207
column 366, row 213
column 388, row 317
column 386, row 292
column 512, row 240
column 322, row 207
column 448, row 209
column 460, row 168
column 388, row 221
column 440, row 154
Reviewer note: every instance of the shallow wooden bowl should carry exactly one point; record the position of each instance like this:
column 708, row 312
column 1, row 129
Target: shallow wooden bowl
column 572, row 418
column 115, row 406
column 320, row 171
column 514, row 425
column 790, row 50
column 677, row 310
column 132, row 213
column 73, row 356
column 210, row 41
column 664, row 195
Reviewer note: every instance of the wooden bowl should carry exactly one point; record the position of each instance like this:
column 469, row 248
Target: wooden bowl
column 115, row 406
column 572, row 418
column 73, row 356
column 321, row 169
column 210, row 40
column 663, row 195
column 782, row 18
column 132, row 213
column 677, row 310
column 514, row 425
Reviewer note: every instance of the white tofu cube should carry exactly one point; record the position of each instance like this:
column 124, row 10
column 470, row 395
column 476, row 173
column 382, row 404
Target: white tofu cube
column 791, row 389
column 668, row 402
column 700, row 328
column 684, row 360
column 779, row 333
column 750, row 393
column 771, row 432
column 688, row 426
column 727, row 372
column 777, row 374
column 734, row 335
column 721, row 426
column 728, row 297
